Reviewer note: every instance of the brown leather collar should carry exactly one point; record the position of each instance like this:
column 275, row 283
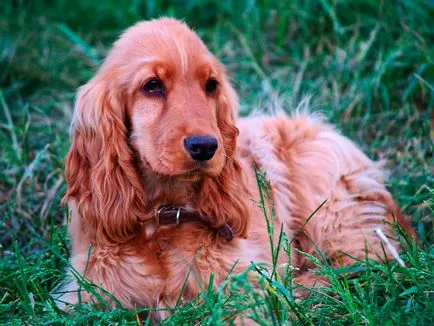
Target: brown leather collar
column 171, row 214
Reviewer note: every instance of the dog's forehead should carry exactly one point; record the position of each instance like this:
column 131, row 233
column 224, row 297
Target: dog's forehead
column 167, row 40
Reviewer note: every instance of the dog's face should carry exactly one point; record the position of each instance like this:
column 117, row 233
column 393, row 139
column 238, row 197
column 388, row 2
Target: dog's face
column 175, row 93
column 174, row 108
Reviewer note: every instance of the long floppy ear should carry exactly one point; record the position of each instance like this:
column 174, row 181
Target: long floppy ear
column 100, row 171
column 224, row 199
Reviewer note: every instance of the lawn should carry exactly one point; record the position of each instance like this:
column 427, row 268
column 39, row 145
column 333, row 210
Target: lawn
column 368, row 66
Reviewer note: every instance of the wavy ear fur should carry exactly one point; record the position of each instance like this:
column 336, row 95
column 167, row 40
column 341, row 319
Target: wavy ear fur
column 224, row 199
column 100, row 171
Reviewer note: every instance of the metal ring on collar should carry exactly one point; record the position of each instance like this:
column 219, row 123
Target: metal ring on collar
column 178, row 215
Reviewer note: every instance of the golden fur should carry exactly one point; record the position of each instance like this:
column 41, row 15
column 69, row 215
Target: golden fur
column 127, row 159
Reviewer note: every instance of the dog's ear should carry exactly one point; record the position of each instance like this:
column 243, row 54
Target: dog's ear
column 224, row 199
column 100, row 170
column 227, row 110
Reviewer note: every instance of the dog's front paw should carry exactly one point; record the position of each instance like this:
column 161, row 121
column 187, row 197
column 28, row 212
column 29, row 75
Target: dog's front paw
column 68, row 294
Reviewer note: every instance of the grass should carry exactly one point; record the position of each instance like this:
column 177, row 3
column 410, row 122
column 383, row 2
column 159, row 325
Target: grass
column 367, row 65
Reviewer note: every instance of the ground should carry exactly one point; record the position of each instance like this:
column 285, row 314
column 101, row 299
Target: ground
column 366, row 65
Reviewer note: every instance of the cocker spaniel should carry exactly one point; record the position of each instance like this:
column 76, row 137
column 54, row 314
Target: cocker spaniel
column 160, row 177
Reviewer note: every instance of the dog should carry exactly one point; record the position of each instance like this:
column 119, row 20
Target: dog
column 162, row 178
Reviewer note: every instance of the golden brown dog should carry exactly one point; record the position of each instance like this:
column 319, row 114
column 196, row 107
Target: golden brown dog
column 161, row 180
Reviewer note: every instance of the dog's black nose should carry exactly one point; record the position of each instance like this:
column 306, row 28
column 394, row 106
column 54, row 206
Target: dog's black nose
column 201, row 148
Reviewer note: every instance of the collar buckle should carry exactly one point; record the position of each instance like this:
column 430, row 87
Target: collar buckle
column 157, row 215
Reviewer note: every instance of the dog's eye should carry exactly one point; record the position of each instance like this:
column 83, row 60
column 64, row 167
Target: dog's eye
column 154, row 86
column 211, row 86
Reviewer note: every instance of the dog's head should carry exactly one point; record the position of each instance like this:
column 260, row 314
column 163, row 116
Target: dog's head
column 160, row 100
column 161, row 84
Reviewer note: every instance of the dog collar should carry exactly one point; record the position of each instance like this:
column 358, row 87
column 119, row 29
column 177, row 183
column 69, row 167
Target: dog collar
column 171, row 214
